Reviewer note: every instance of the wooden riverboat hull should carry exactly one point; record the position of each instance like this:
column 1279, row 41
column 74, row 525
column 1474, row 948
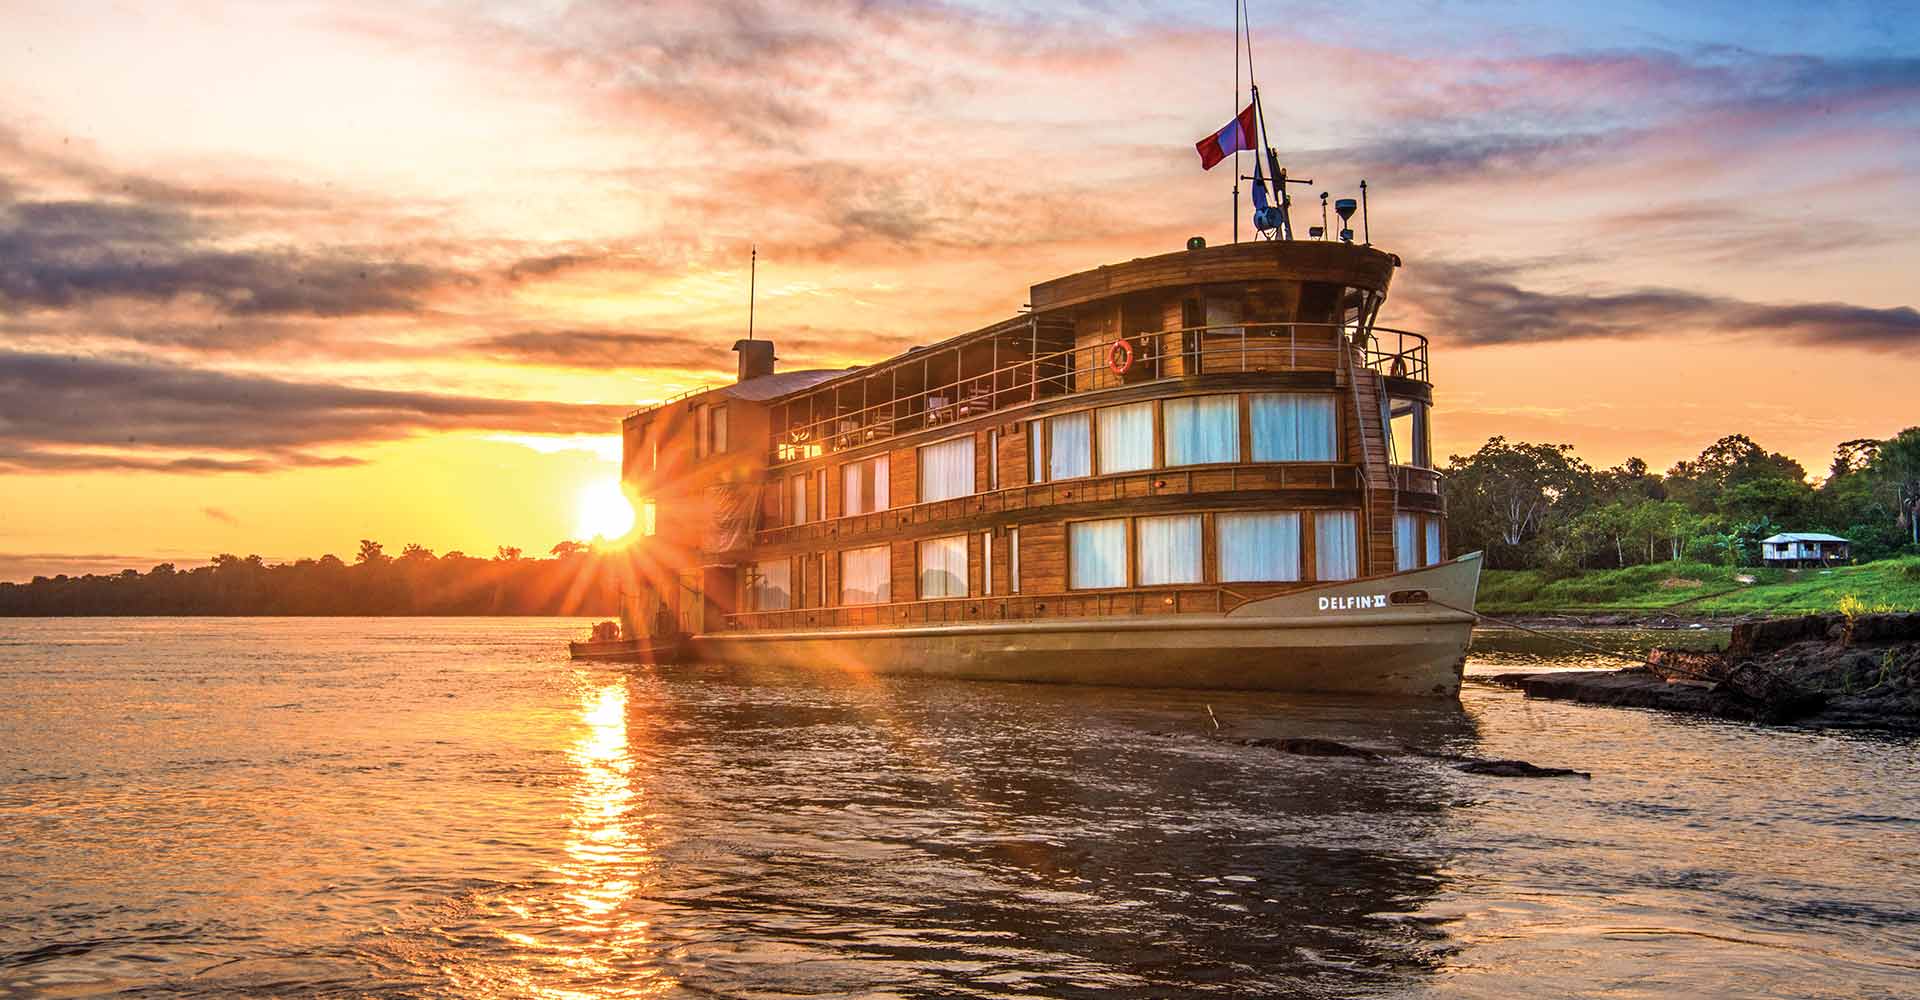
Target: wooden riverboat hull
column 1402, row 634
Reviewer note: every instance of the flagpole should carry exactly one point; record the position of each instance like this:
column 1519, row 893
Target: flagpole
column 753, row 273
column 1235, row 110
column 1279, row 179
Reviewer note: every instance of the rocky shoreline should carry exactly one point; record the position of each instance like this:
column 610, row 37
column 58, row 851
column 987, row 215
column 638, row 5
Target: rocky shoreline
column 1818, row 670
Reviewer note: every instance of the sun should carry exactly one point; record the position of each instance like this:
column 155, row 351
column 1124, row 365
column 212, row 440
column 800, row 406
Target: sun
column 603, row 511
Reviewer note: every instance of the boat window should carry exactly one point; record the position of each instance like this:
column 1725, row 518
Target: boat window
column 1258, row 548
column 1336, row 545
column 1126, row 438
column 1097, row 554
column 702, row 429
column 986, row 562
column 1036, row 455
column 1168, row 549
column 797, row 500
column 770, row 585
column 943, row 567
column 1293, row 427
column 864, row 486
column 1406, row 541
column 1221, row 314
column 866, row 576
column 1410, row 426
column 993, row 459
column 1013, row 560
column 946, row 470
column 1202, row 430
column 718, row 431
column 1433, row 541
column 649, row 517
column 1069, row 446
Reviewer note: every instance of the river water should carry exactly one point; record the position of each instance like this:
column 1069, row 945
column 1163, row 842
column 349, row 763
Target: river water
column 449, row 808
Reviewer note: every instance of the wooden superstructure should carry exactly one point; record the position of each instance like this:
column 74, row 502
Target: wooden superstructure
column 1183, row 434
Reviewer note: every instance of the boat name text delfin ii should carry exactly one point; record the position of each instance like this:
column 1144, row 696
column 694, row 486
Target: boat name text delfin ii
column 1208, row 468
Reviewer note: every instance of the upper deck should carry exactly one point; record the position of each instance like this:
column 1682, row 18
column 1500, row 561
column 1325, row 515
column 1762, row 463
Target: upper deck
column 1248, row 307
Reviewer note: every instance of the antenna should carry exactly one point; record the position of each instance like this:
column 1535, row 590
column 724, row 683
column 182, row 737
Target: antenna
column 753, row 273
column 1366, row 234
column 1323, row 215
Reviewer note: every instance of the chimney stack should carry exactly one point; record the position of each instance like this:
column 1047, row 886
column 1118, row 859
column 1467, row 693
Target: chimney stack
column 756, row 358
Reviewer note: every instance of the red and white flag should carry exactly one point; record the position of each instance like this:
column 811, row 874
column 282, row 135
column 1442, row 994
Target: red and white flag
column 1238, row 135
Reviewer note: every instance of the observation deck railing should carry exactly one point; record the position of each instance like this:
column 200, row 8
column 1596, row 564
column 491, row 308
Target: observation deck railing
column 1150, row 356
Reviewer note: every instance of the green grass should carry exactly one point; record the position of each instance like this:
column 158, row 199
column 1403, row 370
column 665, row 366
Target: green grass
column 1696, row 588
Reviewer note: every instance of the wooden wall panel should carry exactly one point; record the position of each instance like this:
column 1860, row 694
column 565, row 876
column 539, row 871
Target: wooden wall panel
column 903, row 466
column 905, row 558
column 1043, row 558
column 1013, row 456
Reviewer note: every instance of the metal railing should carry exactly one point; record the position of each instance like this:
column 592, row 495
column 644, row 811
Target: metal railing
column 1147, row 357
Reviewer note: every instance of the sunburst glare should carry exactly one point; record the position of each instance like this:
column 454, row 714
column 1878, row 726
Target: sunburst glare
column 602, row 511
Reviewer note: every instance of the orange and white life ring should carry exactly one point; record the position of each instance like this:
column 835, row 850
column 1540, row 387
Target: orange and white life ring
column 1120, row 356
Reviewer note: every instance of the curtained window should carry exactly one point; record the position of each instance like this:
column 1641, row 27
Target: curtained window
column 1293, row 427
column 1202, row 430
column 718, row 429
column 649, row 517
column 864, row 486
column 866, row 576
column 1097, row 554
column 1336, row 545
column 1258, row 548
column 1433, row 541
column 797, row 501
column 1168, row 549
column 1406, row 541
column 993, row 460
column 986, row 562
column 1126, row 438
column 943, row 567
column 702, row 429
column 1069, row 446
column 1013, row 560
column 1036, row 455
column 946, row 470
column 770, row 585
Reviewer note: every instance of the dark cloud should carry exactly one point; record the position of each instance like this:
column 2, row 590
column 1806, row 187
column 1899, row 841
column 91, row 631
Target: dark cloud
column 217, row 514
column 1480, row 304
column 64, row 413
column 60, row 254
column 604, row 349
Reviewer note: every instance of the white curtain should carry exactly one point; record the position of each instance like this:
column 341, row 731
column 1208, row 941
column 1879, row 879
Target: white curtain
column 1406, row 541
column 866, row 576
column 943, row 567
column 1202, row 430
column 1126, row 438
column 946, row 470
column 1169, row 549
column 1013, row 560
column 1291, row 427
column 1258, row 548
column 798, row 510
column 1098, row 552
column 986, row 562
column 772, row 585
column 1069, row 446
column 1336, row 545
column 1433, row 541
column 864, row 486
column 1036, row 456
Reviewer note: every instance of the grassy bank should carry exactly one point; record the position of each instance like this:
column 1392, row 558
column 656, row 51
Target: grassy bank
column 1696, row 588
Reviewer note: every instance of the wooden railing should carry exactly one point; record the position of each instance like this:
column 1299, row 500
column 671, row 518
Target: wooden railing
column 1188, row 480
column 831, row 422
column 1414, row 479
column 1012, row 607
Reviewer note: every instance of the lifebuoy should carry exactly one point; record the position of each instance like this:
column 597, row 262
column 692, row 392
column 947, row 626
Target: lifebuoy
column 1120, row 356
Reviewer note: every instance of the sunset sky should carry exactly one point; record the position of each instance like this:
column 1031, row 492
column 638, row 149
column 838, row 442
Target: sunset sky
column 278, row 277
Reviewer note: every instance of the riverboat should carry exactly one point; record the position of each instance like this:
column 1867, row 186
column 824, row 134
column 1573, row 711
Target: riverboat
column 1206, row 468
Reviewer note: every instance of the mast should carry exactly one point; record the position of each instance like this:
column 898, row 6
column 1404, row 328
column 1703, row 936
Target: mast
column 753, row 270
column 1235, row 112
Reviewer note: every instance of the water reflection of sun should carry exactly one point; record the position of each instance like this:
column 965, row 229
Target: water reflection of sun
column 607, row 856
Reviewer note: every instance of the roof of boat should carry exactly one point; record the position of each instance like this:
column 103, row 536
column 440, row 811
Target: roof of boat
column 766, row 387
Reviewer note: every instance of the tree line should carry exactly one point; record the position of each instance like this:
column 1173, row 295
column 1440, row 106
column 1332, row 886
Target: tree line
column 1540, row 506
column 576, row 579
